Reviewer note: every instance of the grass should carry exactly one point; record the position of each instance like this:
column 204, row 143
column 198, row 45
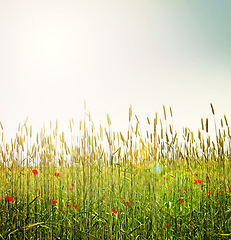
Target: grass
column 133, row 187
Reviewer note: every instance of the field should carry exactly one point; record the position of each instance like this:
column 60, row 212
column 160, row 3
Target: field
column 105, row 185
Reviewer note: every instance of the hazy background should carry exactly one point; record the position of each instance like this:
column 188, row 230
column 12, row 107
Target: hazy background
column 54, row 54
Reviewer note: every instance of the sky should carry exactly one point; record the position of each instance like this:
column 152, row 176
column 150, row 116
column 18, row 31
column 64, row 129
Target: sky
column 54, row 54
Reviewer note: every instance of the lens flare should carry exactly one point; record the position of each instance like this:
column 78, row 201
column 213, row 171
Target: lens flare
column 157, row 168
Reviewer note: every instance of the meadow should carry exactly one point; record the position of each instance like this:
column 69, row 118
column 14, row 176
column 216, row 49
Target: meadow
column 110, row 185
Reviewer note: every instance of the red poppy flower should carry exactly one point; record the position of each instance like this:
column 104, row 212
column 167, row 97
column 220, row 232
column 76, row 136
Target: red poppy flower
column 104, row 198
column 219, row 191
column 195, row 181
column 11, row 212
column 70, row 189
column 35, row 171
column 53, row 201
column 182, row 200
column 9, row 199
column 199, row 181
column 196, row 174
column 63, row 210
column 147, row 182
column 121, row 198
column 57, row 175
column 126, row 203
column 68, row 205
column 114, row 211
column 167, row 224
column 75, row 207
column 190, row 225
column 37, row 189
column 185, row 190
column 226, row 190
column 72, row 184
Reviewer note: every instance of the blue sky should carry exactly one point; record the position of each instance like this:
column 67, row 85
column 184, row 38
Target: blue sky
column 55, row 54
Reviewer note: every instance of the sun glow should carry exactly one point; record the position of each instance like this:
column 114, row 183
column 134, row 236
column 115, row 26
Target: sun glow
column 51, row 44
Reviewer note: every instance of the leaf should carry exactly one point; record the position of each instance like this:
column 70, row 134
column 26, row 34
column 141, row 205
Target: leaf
column 116, row 151
column 225, row 234
column 134, row 229
column 33, row 225
column 45, row 226
column 33, row 201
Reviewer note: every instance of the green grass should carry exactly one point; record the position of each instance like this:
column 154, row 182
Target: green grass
column 140, row 188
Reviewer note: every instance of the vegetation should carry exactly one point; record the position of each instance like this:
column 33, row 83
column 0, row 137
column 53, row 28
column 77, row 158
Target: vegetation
column 109, row 186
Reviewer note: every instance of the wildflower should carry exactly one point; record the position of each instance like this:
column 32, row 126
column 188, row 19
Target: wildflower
column 196, row 174
column 53, row 201
column 63, row 210
column 9, row 199
column 218, row 191
column 147, row 182
column 55, row 188
column 167, row 224
column 11, row 212
column 190, row 225
column 181, row 213
column 72, row 184
column 70, row 189
column 37, row 189
column 114, row 211
column 35, row 171
column 68, row 205
column 40, row 199
column 185, row 190
column 104, row 225
column 75, row 207
column 121, row 198
column 226, row 190
column 57, row 175
column 199, row 181
column 126, row 203
column 104, row 198
column 182, row 200
column 195, row 181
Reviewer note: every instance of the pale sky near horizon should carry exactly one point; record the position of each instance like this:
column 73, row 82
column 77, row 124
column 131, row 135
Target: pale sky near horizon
column 54, row 54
